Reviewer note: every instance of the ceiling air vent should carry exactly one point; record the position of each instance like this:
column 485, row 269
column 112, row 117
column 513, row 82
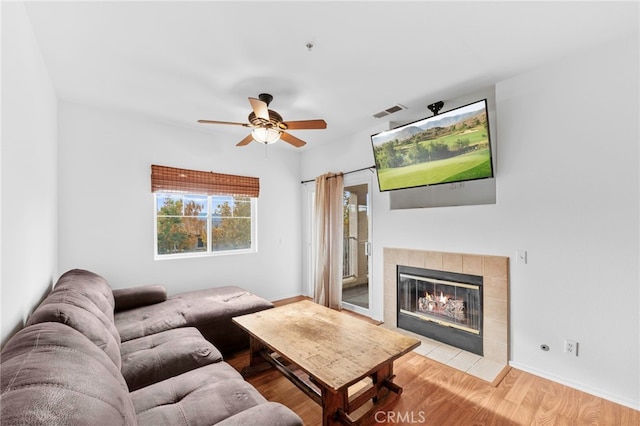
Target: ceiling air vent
column 391, row 110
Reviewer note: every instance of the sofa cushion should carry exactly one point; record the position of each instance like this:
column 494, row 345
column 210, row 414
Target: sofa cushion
column 271, row 413
column 83, row 299
column 82, row 320
column 91, row 285
column 52, row 375
column 204, row 396
column 209, row 310
column 159, row 356
column 135, row 297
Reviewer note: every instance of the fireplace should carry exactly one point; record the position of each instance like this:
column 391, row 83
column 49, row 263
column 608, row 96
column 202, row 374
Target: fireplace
column 494, row 270
column 444, row 306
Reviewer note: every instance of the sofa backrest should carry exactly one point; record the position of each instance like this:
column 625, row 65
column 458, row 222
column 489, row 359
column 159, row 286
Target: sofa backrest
column 52, row 374
column 84, row 301
column 79, row 312
column 91, row 285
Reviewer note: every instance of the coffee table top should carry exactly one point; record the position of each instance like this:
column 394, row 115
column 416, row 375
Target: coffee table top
column 334, row 348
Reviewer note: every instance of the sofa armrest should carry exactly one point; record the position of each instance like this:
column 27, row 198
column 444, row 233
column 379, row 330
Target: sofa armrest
column 135, row 297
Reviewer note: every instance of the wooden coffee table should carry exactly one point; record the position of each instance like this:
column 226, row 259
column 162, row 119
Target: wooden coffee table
column 343, row 363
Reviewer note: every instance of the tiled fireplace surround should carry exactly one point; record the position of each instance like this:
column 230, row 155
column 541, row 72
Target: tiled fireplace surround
column 495, row 272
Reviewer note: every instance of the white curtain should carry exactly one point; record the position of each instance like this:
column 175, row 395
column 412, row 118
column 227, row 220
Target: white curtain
column 328, row 228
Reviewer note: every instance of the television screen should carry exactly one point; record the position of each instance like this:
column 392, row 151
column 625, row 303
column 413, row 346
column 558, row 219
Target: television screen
column 453, row 146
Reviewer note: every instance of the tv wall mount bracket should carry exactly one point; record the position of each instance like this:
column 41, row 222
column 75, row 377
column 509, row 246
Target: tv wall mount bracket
column 436, row 107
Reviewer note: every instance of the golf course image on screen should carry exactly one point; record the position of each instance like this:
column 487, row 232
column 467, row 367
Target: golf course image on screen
column 449, row 148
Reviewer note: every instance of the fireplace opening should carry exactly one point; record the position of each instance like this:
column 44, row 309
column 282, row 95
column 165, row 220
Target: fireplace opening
column 444, row 306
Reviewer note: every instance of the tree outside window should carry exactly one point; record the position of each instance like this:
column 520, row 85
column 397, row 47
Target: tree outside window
column 184, row 223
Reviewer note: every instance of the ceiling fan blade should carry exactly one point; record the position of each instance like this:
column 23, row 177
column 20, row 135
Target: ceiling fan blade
column 292, row 140
column 245, row 141
column 224, row 122
column 305, row 124
column 260, row 108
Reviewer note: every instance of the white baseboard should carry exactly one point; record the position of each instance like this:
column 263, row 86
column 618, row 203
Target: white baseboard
column 579, row 386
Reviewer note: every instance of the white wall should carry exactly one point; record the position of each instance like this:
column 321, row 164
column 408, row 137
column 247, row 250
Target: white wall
column 569, row 149
column 28, row 174
column 106, row 205
column 568, row 193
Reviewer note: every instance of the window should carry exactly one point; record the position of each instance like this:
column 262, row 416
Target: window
column 201, row 224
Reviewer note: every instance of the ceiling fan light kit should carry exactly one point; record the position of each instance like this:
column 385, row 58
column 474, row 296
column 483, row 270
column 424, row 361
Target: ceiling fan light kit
column 268, row 126
column 265, row 135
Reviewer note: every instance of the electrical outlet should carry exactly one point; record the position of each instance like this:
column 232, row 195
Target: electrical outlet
column 571, row 347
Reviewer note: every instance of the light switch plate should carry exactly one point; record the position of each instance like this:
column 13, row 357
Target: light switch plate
column 521, row 257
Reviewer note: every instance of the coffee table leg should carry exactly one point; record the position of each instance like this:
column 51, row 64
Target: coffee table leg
column 380, row 378
column 255, row 349
column 332, row 403
column 256, row 362
column 382, row 392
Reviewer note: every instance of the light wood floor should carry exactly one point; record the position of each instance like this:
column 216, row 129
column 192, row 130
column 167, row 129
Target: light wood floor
column 435, row 394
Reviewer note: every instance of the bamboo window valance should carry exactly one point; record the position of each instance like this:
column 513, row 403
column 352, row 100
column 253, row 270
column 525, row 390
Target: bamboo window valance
column 171, row 179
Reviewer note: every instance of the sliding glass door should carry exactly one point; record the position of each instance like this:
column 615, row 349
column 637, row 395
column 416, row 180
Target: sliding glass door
column 356, row 291
column 356, row 294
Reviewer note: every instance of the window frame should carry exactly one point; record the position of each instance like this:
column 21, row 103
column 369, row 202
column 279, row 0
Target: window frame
column 209, row 252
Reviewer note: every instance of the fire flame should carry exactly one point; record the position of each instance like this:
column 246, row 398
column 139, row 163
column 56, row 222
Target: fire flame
column 442, row 299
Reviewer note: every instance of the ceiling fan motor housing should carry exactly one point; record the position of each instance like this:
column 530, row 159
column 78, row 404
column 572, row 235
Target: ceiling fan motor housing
column 275, row 120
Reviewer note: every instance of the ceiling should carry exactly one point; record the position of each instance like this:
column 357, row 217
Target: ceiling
column 178, row 62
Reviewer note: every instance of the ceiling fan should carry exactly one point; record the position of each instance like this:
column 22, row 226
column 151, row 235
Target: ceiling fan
column 268, row 126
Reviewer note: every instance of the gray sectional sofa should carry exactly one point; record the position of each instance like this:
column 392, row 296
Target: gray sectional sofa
column 92, row 355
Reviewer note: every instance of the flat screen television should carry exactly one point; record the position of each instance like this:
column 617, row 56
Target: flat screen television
column 453, row 146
